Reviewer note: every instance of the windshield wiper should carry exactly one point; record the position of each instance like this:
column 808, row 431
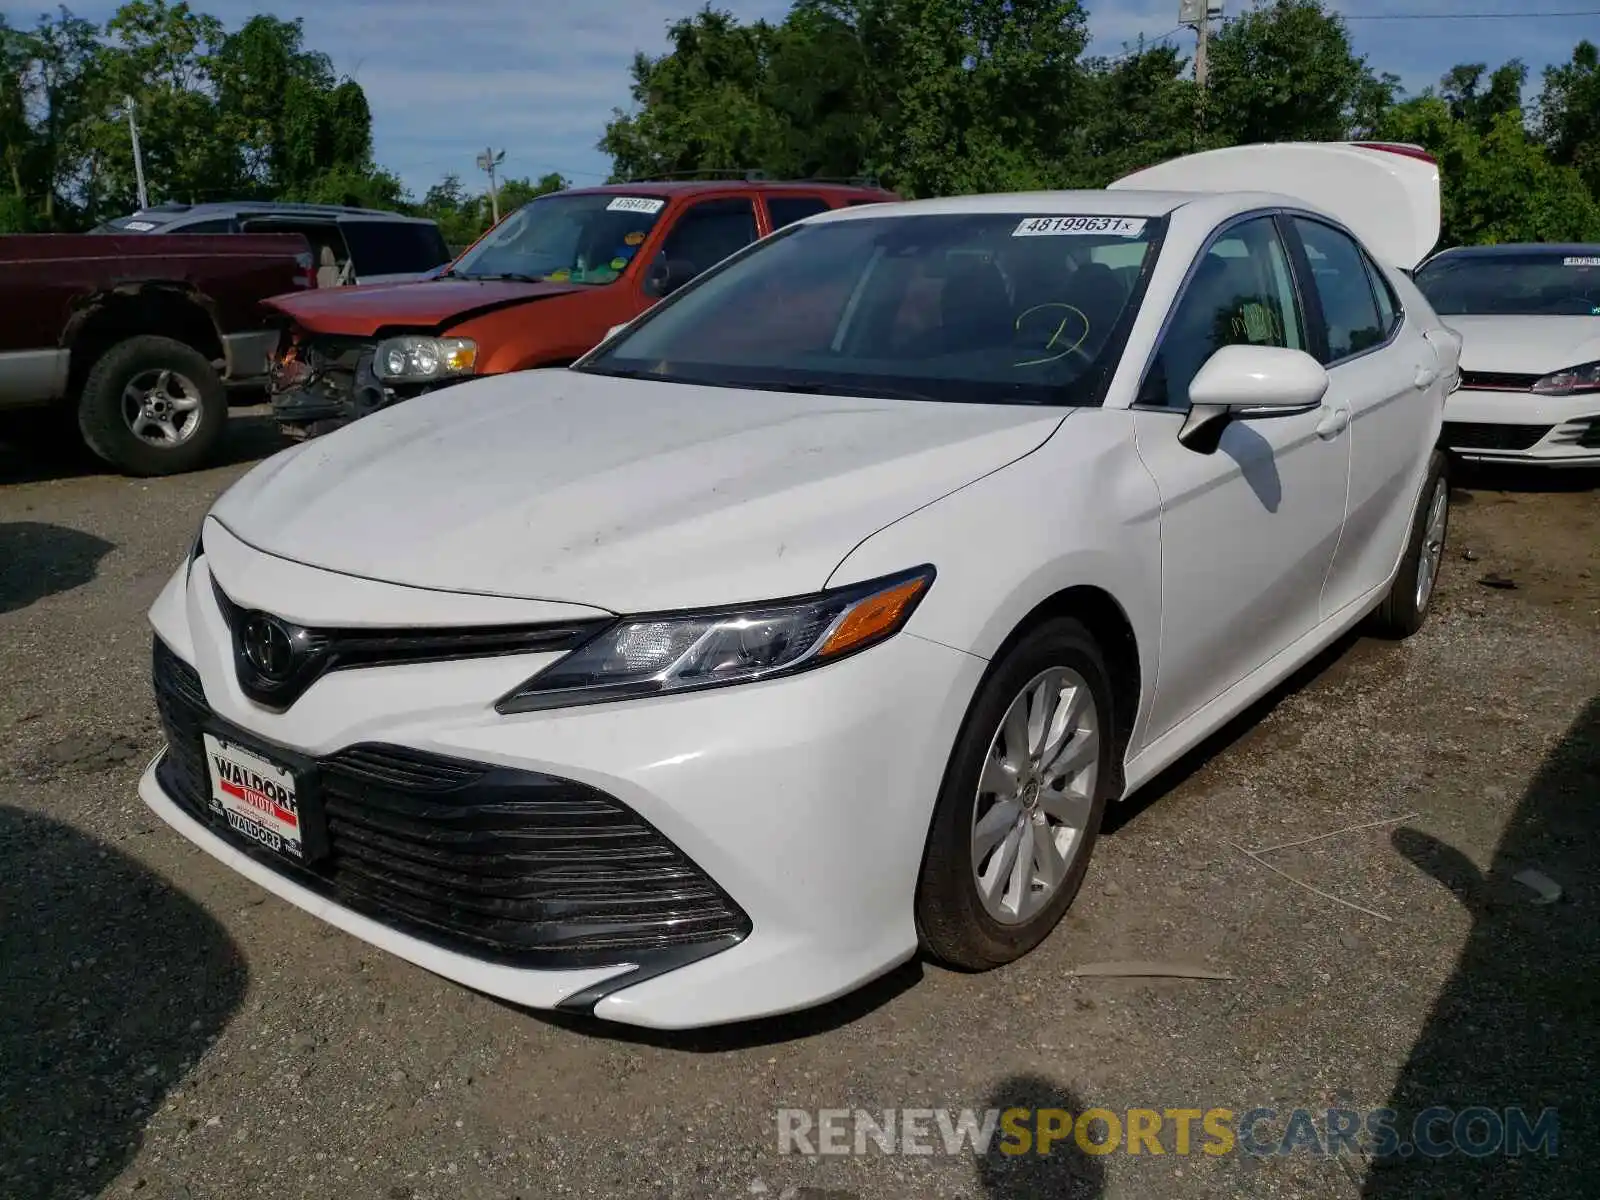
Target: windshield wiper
column 512, row 276
column 885, row 392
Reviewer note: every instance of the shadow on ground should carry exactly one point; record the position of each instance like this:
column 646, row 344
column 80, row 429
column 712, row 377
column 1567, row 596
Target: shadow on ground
column 113, row 986
column 39, row 560
column 1126, row 812
column 1500, row 478
column 1065, row 1172
column 38, row 447
column 1518, row 1023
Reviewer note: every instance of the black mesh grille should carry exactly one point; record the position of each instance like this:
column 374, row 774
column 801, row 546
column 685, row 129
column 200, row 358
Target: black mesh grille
column 1467, row 435
column 498, row 863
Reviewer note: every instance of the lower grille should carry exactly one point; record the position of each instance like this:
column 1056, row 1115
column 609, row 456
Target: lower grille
column 1468, row 435
column 1585, row 433
column 501, row 864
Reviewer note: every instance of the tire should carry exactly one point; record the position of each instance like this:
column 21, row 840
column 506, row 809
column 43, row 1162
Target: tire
column 170, row 373
column 1406, row 607
column 957, row 924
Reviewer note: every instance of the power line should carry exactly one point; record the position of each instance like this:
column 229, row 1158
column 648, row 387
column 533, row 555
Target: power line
column 1468, row 16
column 1146, row 47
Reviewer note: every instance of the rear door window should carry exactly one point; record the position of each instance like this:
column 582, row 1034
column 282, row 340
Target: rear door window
column 394, row 247
column 786, row 210
column 1339, row 271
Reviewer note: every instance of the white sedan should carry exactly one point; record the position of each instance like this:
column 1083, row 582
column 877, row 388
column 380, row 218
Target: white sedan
column 1530, row 366
column 816, row 616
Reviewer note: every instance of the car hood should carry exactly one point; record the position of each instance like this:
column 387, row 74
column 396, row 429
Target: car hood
column 1526, row 345
column 428, row 303
column 621, row 494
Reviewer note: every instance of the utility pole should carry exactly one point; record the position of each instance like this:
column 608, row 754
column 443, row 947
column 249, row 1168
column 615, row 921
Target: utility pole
column 488, row 161
column 138, row 157
column 1198, row 15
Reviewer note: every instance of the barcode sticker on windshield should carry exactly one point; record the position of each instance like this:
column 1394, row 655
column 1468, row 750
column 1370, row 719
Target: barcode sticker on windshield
column 1581, row 260
column 141, row 226
column 1063, row 226
column 638, row 204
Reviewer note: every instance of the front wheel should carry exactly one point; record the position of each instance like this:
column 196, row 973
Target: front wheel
column 1406, row 606
column 153, row 406
column 1021, row 804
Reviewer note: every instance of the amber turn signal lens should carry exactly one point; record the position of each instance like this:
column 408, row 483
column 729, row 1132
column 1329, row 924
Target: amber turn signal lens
column 874, row 617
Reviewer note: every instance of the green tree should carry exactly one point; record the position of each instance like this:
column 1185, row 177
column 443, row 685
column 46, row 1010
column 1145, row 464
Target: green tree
column 1499, row 185
column 1569, row 113
column 1285, row 71
column 1479, row 106
column 1140, row 111
column 701, row 106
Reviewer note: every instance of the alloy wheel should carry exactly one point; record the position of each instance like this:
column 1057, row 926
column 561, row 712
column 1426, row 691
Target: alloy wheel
column 1432, row 550
column 1035, row 796
column 161, row 407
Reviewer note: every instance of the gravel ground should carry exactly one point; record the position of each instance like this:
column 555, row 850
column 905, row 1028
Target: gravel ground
column 171, row 1031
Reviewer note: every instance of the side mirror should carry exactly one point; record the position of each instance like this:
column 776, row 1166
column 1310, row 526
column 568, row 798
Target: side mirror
column 1246, row 383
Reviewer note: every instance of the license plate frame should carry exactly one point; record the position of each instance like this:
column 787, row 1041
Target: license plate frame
column 264, row 797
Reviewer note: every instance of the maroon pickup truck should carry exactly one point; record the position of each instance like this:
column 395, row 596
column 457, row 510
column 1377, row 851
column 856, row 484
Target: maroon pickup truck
column 141, row 336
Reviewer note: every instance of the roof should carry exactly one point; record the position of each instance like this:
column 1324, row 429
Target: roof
column 169, row 212
column 1509, row 249
column 1084, row 203
column 682, row 187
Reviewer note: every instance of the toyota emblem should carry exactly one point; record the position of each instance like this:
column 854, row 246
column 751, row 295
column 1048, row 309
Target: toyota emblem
column 268, row 647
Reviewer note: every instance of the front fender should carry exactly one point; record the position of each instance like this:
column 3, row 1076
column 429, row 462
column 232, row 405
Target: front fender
column 1080, row 511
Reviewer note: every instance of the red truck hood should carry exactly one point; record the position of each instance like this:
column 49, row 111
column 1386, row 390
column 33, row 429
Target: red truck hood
column 431, row 303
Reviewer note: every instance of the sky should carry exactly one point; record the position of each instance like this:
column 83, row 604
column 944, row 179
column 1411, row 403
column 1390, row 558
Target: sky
column 539, row 78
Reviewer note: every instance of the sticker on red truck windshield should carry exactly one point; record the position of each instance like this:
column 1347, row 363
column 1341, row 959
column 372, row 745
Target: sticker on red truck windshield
column 638, row 204
column 1068, row 226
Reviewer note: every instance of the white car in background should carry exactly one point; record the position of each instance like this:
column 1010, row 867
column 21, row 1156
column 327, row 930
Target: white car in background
column 817, row 615
column 1529, row 317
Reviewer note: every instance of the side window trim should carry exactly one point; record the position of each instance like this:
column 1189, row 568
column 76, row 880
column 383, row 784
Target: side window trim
column 1366, row 265
column 1212, row 239
column 1379, row 279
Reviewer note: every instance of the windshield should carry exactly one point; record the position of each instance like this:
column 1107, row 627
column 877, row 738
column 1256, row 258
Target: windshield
column 138, row 223
column 394, row 247
column 565, row 238
column 1537, row 283
column 976, row 307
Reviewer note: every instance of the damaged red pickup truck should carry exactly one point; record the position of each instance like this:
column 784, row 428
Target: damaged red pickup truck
column 538, row 290
column 139, row 336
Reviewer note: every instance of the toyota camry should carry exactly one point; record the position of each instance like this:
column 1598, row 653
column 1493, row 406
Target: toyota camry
column 813, row 619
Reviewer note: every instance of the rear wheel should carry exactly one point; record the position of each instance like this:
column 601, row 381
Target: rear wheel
column 153, row 406
column 1406, row 606
column 1021, row 804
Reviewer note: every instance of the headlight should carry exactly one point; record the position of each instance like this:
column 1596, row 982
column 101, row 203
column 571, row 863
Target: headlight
column 662, row 655
column 1571, row 382
column 414, row 358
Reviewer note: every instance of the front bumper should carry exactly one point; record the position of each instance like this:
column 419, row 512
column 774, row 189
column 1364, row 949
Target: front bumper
column 1522, row 427
column 321, row 383
column 803, row 803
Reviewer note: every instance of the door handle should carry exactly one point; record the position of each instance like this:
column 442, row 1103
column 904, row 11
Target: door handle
column 1334, row 422
column 1425, row 377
